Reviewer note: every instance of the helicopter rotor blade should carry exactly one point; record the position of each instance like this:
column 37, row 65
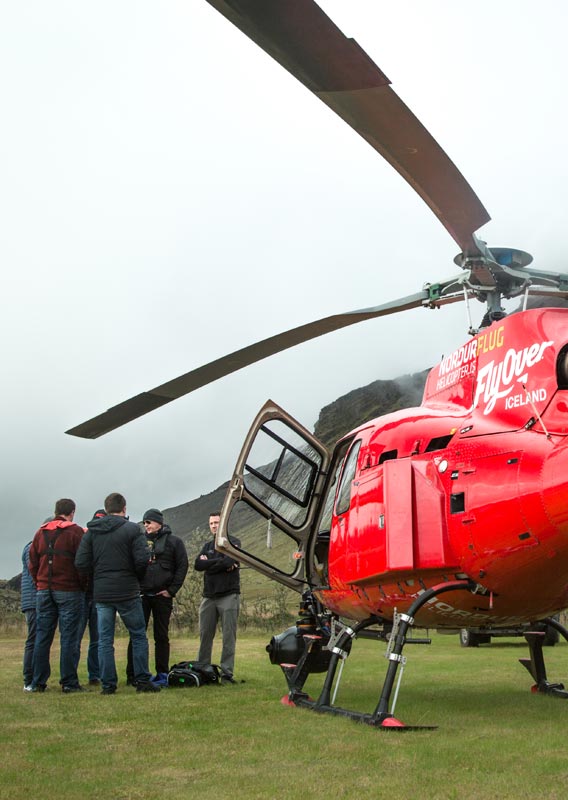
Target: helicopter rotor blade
column 145, row 402
column 305, row 41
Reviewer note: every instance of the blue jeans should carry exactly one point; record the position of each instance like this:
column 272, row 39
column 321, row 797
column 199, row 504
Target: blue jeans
column 30, row 614
column 67, row 609
column 90, row 619
column 132, row 615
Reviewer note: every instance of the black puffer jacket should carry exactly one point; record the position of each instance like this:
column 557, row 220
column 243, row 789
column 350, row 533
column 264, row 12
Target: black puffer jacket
column 221, row 571
column 115, row 553
column 168, row 563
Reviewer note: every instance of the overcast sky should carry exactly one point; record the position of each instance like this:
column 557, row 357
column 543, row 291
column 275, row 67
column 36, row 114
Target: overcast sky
column 169, row 194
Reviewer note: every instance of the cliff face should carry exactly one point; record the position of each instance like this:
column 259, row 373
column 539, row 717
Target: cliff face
column 366, row 403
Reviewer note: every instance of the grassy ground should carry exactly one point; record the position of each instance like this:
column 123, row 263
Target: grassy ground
column 495, row 739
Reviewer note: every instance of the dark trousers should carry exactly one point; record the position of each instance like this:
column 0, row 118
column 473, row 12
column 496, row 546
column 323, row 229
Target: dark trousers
column 90, row 619
column 160, row 608
column 29, row 646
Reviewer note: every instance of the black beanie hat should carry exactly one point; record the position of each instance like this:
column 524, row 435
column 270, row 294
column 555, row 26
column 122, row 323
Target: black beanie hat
column 153, row 515
column 100, row 513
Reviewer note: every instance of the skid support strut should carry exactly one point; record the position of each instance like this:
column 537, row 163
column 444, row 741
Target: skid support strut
column 382, row 717
column 535, row 663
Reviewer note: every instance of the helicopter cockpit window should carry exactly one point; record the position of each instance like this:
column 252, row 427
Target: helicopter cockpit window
column 327, row 508
column 281, row 470
column 344, row 493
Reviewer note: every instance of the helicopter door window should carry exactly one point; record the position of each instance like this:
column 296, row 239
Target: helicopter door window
column 344, row 493
column 263, row 540
column 281, row 472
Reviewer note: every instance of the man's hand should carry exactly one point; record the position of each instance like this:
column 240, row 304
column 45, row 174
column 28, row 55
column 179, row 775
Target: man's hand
column 203, row 558
column 163, row 593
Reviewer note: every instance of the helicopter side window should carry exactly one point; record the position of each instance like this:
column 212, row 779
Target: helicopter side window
column 562, row 368
column 344, row 493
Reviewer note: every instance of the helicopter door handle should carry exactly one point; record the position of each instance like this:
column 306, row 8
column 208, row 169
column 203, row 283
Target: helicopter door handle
column 468, row 520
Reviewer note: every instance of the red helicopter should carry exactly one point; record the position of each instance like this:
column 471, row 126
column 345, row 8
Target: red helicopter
column 447, row 515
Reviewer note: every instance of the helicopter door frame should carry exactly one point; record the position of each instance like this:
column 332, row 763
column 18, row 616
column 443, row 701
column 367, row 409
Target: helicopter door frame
column 273, row 480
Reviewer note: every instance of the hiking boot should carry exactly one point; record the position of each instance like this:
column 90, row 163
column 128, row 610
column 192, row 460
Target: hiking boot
column 108, row 690
column 227, row 680
column 73, row 689
column 147, row 686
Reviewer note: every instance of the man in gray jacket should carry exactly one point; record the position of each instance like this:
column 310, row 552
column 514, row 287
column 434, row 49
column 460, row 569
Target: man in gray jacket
column 115, row 554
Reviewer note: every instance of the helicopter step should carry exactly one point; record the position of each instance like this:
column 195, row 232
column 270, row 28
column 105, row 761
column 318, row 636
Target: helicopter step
column 535, row 665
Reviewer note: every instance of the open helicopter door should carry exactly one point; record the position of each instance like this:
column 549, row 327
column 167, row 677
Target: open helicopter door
column 274, row 497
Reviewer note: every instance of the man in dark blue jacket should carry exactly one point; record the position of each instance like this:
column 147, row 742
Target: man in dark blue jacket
column 221, row 601
column 162, row 581
column 115, row 553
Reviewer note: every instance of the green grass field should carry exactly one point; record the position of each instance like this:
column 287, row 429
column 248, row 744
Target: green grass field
column 494, row 740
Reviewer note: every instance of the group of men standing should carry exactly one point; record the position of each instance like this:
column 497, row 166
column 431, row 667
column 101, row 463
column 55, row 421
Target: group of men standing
column 79, row 578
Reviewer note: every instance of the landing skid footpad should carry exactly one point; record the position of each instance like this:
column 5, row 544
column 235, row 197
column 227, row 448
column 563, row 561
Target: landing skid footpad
column 536, row 667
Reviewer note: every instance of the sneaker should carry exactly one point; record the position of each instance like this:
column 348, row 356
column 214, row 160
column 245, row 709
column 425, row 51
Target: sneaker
column 73, row 689
column 41, row 687
column 28, row 687
column 108, row 690
column 161, row 679
column 147, row 686
column 94, row 682
column 227, row 679
column 130, row 682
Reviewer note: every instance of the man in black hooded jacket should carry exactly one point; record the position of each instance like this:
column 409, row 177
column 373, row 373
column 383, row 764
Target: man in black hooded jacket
column 115, row 553
column 162, row 581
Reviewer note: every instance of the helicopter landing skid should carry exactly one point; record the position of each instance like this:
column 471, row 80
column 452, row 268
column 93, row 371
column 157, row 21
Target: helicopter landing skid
column 383, row 717
column 535, row 663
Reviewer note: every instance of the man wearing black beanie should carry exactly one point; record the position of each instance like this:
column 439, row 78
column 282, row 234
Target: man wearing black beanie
column 162, row 581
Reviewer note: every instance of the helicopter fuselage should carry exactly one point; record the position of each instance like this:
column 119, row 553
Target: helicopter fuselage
column 473, row 483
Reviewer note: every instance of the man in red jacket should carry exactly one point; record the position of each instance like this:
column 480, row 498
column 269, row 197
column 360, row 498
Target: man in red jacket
column 60, row 596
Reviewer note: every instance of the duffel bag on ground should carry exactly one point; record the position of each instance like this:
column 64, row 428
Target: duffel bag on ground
column 202, row 674
column 183, row 677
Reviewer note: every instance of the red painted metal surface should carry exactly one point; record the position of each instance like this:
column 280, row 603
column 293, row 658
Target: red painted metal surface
column 472, row 483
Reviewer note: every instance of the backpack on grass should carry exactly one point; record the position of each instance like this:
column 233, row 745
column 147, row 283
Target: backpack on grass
column 193, row 673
